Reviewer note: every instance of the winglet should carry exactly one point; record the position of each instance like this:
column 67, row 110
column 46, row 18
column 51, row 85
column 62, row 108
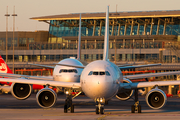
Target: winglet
column 106, row 36
column 79, row 39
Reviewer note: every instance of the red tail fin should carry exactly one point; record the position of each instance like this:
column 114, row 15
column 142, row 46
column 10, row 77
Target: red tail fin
column 3, row 66
column 4, row 69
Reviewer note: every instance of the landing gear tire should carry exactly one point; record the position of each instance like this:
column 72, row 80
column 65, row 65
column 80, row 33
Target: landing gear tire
column 97, row 110
column 132, row 109
column 65, row 108
column 72, row 108
column 102, row 110
column 139, row 109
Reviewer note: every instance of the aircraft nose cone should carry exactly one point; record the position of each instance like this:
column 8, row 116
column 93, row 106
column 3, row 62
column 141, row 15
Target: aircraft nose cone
column 99, row 88
column 68, row 78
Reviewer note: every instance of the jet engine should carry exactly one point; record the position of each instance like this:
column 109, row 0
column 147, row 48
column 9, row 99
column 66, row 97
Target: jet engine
column 156, row 98
column 124, row 94
column 21, row 91
column 46, row 97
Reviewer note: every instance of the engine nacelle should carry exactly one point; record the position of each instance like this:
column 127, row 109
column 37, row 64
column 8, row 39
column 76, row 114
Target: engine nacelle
column 21, row 91
column 46, row 97
column 124, row 94
column 156, row 98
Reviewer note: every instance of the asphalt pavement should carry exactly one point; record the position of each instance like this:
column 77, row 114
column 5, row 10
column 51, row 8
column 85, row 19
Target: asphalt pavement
column 13, row 109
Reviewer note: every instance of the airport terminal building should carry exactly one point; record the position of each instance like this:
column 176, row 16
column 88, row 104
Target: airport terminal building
column 134, row 36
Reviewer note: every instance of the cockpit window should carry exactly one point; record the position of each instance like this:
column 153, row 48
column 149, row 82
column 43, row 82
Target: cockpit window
column 107, row 73
column 68, row 70
column 74, row 70
column 99, row 73
column 95, row 73
column 90, row 73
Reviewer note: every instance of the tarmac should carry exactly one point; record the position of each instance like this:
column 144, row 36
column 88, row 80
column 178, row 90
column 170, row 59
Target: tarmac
column 13, row 109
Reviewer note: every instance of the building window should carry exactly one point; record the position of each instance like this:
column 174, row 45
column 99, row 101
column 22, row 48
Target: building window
column 31, row 40
column 22, row 42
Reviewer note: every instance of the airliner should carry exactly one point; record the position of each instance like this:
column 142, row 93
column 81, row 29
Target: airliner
column 5, row 86
column 100, row 80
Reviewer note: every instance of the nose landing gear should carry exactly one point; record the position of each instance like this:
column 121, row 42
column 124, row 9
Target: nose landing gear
column 99, row 109
column 68, row 106
column 136, row 106
column 99, row 106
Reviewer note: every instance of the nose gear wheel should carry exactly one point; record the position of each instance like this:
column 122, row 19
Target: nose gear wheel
column 99, row 108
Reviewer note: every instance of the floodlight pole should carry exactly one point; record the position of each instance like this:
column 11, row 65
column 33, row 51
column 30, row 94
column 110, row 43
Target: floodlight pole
column 7, row 15
column 13, row 33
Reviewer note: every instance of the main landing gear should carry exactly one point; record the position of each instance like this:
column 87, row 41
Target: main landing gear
column 68, row 104
column 136, row 106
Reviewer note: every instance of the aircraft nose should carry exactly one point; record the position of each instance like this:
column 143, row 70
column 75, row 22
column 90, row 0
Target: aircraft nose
column 103, row 85
column 69, row 78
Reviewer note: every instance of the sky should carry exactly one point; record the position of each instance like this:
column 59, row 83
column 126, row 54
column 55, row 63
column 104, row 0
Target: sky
column 26, row 9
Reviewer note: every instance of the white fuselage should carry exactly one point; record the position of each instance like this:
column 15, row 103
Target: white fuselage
column 100, row 79
column 67, row 74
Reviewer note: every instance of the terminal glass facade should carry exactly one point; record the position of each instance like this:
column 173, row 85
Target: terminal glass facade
column 118, row 27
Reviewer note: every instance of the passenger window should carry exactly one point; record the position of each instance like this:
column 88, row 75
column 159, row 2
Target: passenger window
column 102, row 73
column 90, row 73
column 107, row 73
column 95, row 73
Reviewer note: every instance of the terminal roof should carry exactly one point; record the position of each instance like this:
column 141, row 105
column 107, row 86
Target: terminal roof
column 142, row 14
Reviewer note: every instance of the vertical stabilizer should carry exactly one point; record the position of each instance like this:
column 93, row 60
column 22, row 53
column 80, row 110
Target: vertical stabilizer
column 79, row 40
column 106, row 36
column 4, row 67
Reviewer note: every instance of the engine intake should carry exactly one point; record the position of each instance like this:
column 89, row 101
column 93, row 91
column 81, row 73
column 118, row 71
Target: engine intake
column 124, row 94
column 156, row 98
column 21, row 91
column 46, row 97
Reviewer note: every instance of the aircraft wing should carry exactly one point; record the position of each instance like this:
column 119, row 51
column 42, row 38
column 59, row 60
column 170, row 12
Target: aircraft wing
column 140, row 76
column 42, row 82
column 138, row 66
column 124, row 65
column 26, row 76
column 45, row 66
column 148, row 84
column 76, row 66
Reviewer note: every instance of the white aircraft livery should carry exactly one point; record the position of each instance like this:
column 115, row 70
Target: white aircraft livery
column 100, row 80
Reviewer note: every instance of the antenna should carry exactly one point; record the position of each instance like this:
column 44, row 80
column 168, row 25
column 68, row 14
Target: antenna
column 79, row 39
column 106, row 36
